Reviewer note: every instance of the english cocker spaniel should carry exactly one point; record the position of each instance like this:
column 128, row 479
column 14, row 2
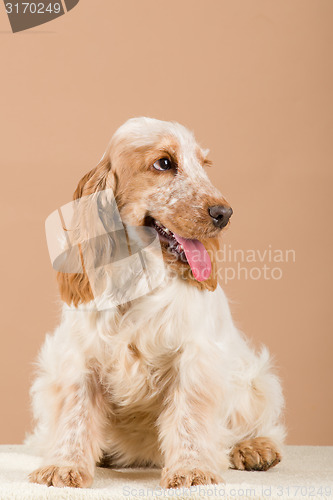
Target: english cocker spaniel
column 160, row 376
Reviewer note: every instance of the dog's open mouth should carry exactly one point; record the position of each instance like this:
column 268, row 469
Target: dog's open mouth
column 191, row 251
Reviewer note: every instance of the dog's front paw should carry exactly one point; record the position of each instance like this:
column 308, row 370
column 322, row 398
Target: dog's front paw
column 255, row 454
column 53, row 475
column 184, row 477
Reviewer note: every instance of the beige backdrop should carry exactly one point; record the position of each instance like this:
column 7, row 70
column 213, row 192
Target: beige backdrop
column 253, row 79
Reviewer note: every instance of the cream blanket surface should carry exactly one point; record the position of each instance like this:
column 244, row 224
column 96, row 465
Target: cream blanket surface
column 305, row 472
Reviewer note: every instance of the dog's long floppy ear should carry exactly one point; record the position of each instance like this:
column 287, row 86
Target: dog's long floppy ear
column 99, row 178
column 75, row 287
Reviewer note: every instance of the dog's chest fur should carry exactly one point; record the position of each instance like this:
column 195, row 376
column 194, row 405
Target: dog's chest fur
column 138, row 353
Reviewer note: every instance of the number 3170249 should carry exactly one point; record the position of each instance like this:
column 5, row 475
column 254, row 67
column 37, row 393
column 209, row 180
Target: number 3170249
column 32, row 8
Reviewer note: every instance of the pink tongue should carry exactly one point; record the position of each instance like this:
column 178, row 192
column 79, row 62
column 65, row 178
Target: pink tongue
column 197, row 256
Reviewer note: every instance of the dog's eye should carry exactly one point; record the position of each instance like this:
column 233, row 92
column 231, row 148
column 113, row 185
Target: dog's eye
column 163, row 164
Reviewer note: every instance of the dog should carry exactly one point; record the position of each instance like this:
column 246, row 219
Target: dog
column 166, row 379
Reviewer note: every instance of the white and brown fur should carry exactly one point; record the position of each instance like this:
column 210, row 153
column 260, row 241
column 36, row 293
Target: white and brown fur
column 168, row 380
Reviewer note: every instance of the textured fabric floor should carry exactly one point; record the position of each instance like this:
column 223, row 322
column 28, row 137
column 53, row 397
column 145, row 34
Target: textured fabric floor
column 305, row 472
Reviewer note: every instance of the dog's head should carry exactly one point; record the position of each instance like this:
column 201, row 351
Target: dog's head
column 156, row 170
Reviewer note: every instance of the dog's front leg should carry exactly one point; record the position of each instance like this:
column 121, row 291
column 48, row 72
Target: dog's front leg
column 188, row 431
column 74, row 434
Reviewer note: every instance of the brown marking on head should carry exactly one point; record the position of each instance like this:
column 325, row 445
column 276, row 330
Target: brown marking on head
column 137, row 179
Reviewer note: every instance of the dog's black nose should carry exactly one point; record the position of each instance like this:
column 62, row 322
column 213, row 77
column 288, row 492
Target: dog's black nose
column 220, row 215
